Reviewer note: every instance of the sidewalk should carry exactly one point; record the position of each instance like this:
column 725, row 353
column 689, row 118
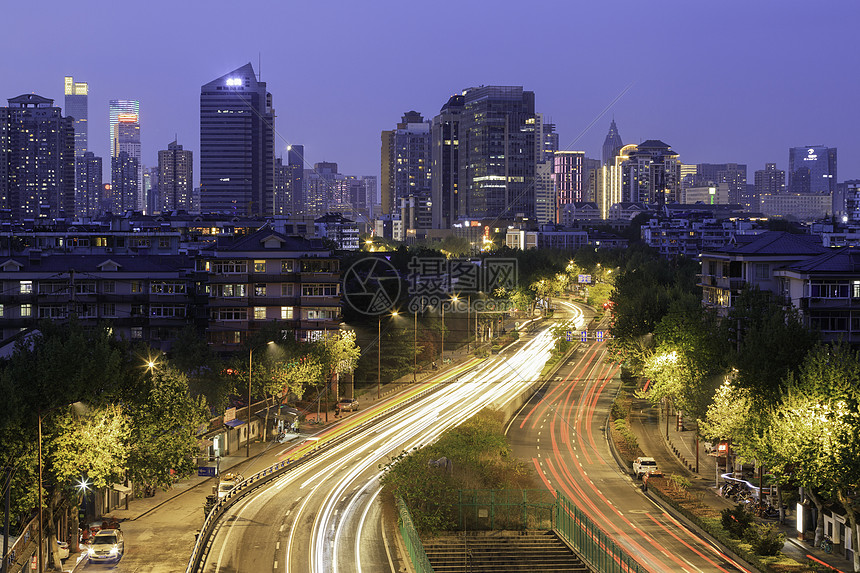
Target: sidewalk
column 676, row 453
column 166, row 524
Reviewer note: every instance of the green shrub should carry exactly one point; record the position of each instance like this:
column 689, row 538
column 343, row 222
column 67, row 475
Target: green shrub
column 736, row 520
column 765, row 539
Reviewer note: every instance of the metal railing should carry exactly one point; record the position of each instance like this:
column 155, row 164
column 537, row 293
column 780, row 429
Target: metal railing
column 492, row 509
column 590, row 542
column 410, row 538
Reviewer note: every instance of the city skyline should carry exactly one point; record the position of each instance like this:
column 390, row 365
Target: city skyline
column 335, row 97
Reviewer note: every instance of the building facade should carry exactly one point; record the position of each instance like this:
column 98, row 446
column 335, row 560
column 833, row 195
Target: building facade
column 237, row 145
column 76, row 106
column 445, row 134
column 89, row 178
column 175, row 178
column 611, row 144
column 405, row 157
column 812, row 169
column 37, row 160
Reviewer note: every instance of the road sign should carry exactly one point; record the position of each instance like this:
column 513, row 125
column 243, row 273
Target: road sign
column 569, row 336
column 599, row 336
column 206, row 471
column 583, row 336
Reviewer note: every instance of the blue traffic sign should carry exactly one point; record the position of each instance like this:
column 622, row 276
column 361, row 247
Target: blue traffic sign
column 569, row 336
column 206, row 471
column 599, row 335
column 583, row 336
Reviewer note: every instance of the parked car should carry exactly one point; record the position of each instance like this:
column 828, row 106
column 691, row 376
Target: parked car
column 644, row 465
column 63, row 550
column 227, row 483
column 107, row 545
column 347, row 405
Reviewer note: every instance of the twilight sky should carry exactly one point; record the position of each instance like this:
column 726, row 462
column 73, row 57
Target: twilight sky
column 729, row 81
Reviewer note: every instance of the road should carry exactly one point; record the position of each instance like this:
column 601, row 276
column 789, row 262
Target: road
column 324, row 515
column 561, row 430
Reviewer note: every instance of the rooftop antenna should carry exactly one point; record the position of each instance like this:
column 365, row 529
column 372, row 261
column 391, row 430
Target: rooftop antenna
column 259, row 67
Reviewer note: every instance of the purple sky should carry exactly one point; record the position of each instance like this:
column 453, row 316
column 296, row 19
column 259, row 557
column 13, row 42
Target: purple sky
column 730, row 81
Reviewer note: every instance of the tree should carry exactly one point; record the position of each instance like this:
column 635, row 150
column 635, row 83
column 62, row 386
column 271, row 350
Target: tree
column 688, row 360
column 814, row 430
column 163, row 427
column 769, row 342
column 192, row 355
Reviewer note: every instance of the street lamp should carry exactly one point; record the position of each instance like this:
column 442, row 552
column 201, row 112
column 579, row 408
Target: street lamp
column 379, row 354
column 415, row 347
column 454, row 300
column 250, row 370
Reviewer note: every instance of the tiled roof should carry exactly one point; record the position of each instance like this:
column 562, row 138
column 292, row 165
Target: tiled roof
column 254, row 242
column 843, row 260
column 777, row 243
column 84, row 264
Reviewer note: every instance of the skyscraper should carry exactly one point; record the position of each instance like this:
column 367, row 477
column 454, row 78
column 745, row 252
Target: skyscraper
column 125, row 136
column 175, row 178
column 406, row 154
column 734, row 175
column 812, row 169
column 445, row 180
column 37, row 159
column 76, row 107
column 650, row 173
column 89, row 172
column 237, row 145
column 567, row 175
column 611, row 144
column 296, row 167
column 768, row 181
column 498, row 152
column 125, row 190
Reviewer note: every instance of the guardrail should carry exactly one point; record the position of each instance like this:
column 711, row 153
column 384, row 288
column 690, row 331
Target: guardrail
column 414, row 547
column 275, row 470
column 591, row 543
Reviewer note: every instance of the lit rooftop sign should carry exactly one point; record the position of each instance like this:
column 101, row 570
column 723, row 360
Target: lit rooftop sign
column 127, row 118
column 234, row 81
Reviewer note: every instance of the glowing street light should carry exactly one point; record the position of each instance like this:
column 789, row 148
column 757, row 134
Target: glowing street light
column 379, row 353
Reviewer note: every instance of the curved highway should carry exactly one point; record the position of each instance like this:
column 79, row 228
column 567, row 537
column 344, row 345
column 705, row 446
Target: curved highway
column 324, row 515
column 561, row 431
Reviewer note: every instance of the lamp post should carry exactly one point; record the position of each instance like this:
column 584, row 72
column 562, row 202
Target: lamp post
column 250, row 370
column 454, row 300
column 415, row 347
column 379, row 354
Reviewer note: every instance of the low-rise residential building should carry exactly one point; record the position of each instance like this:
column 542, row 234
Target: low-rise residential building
column 826, row 289
column 266, row 277
column 751, row 261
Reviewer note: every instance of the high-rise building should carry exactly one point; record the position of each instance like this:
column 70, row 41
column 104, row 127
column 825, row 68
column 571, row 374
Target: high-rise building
column 237, row 156
column 611, row 144
column 567, row 175
column 851, row 194
column 130, row 111
column 283, row 195
column 321, row 187
column 734, row 175
column 651, row 174
column 124, row 183
column 37, row 159
column 89, row 177
column 296, row 167
column 768, row 181
column 812, row 169
column 498, row 153
column 125, row 136
column 445, row 180
column 406, row 153
column 175, row 178
column 76, row 107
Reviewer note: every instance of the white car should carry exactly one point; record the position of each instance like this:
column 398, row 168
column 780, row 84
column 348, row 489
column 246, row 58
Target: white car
column 63, row 550
column 107, row 545
column 644, row 465
column 227, row 483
